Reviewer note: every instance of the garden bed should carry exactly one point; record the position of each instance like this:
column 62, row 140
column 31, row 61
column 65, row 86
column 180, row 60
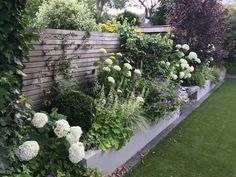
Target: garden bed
column 108, row 162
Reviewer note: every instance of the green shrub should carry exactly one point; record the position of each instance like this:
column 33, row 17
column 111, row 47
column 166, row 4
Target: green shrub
column 73, row 103
column 130, row 17
column 65, row 14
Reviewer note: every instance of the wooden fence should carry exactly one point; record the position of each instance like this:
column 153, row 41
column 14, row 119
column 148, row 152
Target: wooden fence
column 55, row 47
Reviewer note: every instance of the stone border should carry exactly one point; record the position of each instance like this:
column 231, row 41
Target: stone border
column 144, row 140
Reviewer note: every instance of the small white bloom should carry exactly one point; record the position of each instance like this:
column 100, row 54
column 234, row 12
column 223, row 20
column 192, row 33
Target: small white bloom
column 163, row 62
column 137, row 72
column 181, row 75
column 185, row 47
column 140, row 99
column 167, row 63
column 177, row 65
column 191, row 68
column 129, row 74
column 39, row 120
column 62, row 128
column 76, row 152
column 174, row 76
column 181, row 81
column 108, row 61
column 111, row 80
column 183, row 61
column 117, row 68
column 182, row 54
column 192, row 55
column 27, row 151
column 189, row 75
column 74, row 135
column 128, row 66
column 106, row 69
column 178, row 46
column 211, row 59
column 198, row 60
column 103, row 51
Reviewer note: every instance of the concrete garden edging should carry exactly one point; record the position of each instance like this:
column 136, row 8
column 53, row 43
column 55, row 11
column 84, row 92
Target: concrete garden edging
column 109, row 161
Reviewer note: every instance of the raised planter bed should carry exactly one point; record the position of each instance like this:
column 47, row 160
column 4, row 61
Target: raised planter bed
column 109, row 161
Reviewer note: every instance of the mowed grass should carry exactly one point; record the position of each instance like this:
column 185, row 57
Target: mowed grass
column 203, row 145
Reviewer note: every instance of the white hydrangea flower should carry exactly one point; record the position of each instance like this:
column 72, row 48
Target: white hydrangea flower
column 174, row 76
column 137, row 72
column 74, row 135
column 163, row 62
column 140, row 99
column 128, row 66
column 182, row 54
column 183, row 61
column 129, row 74
column 103, row 51
column 106, row 69
column 76, row 152
column 39, row 120
column 181, row 75
column 198, row 60
column 117, row 68
column 181, row 81
column 167, row 63
column 108, row 61
column 178, row 46
column 191, row 68
column 192, row 55
column 62, row 128
column 111, row 80
column 185, row 47
column 27, row 151
column 188, row 75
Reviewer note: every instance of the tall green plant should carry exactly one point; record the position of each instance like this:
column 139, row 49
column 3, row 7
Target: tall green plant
column 14, row 107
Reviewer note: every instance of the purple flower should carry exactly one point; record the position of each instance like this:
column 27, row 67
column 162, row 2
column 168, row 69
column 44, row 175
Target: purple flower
column 50, row 175
column 51, row 162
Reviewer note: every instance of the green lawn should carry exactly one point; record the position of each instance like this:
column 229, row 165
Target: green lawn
column 203, row 145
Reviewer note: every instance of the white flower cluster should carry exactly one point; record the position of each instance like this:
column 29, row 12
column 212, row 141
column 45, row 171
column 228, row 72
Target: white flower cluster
column 193, row 55
column 76, row 152
column 106, row 68
column 128, row 66
column 39, row 120
column 117, row 68
column 138, row 72
column 111, row 80
column 27, row 151
column 103, row 51
column 185, row 47
column 74, row 135
column 62, row 128
column 108, row 61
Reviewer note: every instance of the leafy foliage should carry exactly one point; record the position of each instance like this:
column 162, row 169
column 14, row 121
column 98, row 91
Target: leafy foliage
column 162, row 99
column 129, row 17
column 201, row 24
column 230, row 42
column 65, row 14
column 13, row 106
column 72, row 102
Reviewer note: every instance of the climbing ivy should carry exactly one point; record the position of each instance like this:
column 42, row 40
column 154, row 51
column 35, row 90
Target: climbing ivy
column 14, row 107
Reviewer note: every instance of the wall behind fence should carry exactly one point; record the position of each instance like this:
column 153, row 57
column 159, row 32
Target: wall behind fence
column 80, row 49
